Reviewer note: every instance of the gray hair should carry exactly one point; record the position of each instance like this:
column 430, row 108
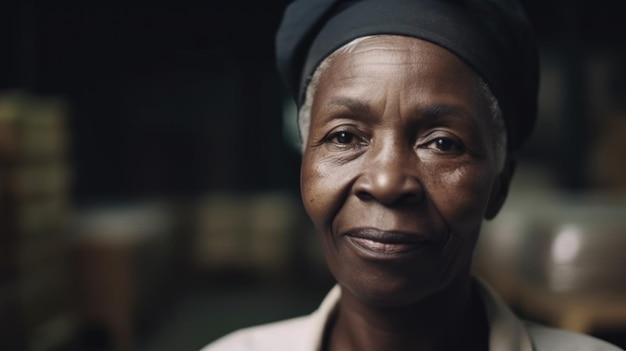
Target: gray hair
column 497, row 120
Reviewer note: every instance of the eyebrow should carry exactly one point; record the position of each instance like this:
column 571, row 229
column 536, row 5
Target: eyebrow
column 355, row 107
column 433, row 112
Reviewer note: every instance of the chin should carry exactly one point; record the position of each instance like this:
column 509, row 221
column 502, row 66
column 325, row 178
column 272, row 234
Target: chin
column 393, row 286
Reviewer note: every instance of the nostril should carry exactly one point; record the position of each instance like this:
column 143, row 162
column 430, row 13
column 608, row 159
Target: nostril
column 364, row 196
column 406, row 199
column 389, row 184
column 409, row 198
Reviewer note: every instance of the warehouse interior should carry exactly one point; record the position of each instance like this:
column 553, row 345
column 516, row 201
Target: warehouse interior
column 149, row 178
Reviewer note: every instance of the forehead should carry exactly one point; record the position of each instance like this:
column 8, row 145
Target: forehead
column 397, row 67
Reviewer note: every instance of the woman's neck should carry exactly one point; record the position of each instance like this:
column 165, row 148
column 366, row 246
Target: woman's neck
column 449, row 320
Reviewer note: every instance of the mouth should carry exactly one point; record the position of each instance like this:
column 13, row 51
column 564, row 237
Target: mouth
column 385, row 243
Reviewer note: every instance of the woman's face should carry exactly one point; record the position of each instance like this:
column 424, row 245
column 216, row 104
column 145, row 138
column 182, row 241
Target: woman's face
column 398, row 169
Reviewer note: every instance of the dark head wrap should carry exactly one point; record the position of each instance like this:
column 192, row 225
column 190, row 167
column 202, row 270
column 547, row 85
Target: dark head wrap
column 493, row 37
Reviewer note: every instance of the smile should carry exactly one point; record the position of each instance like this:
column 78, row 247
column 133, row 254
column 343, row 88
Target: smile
column 375, row 242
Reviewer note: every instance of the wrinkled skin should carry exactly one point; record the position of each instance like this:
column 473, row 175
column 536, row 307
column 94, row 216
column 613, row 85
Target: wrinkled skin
column 399, row 171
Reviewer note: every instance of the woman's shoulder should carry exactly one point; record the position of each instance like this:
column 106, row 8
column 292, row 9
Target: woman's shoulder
column 283, row 335
column 297, row 334
column 551, row 339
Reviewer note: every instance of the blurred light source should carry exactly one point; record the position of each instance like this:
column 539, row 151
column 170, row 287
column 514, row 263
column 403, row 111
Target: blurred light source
column 566, row 245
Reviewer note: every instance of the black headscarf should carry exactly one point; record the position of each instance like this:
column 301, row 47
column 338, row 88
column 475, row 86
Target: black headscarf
column 493, row 37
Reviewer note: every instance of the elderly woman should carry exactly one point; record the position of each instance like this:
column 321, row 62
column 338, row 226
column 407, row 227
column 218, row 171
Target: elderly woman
column 411, row 113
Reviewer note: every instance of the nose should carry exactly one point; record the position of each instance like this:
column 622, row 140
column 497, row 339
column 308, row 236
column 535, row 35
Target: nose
column 390, row 176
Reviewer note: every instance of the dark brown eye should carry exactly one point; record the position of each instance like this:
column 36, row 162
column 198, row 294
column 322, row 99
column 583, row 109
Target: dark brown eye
column 344, row 137
column 446, row 145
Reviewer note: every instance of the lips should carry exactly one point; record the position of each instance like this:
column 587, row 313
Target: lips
column 385, row 243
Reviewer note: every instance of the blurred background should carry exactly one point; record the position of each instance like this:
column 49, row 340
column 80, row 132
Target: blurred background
column 149, row 176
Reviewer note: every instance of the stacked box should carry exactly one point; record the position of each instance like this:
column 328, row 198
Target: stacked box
column 35, row 267
column 253, row 233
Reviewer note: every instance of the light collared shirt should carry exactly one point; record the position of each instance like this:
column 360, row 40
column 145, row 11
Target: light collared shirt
column 506, row 331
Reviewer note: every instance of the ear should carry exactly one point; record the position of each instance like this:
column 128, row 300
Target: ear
column 500, row 188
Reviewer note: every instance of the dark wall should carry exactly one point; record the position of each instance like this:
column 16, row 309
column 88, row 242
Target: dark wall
column 179, row 100
column 166, row 99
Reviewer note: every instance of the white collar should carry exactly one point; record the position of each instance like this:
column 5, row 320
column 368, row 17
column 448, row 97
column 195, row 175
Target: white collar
column 506, row 331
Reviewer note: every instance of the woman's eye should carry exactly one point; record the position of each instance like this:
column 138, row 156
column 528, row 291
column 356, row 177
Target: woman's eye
column 446, row 145
column 343, row 137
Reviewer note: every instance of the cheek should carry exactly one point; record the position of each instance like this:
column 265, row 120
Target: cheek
column 322, row 188
column 463, row 195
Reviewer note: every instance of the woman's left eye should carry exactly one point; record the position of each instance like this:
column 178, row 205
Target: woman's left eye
column 344, row 137
column 445, row 145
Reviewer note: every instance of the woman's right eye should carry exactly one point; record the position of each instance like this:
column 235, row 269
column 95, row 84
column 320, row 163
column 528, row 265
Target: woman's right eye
column 343, row 137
